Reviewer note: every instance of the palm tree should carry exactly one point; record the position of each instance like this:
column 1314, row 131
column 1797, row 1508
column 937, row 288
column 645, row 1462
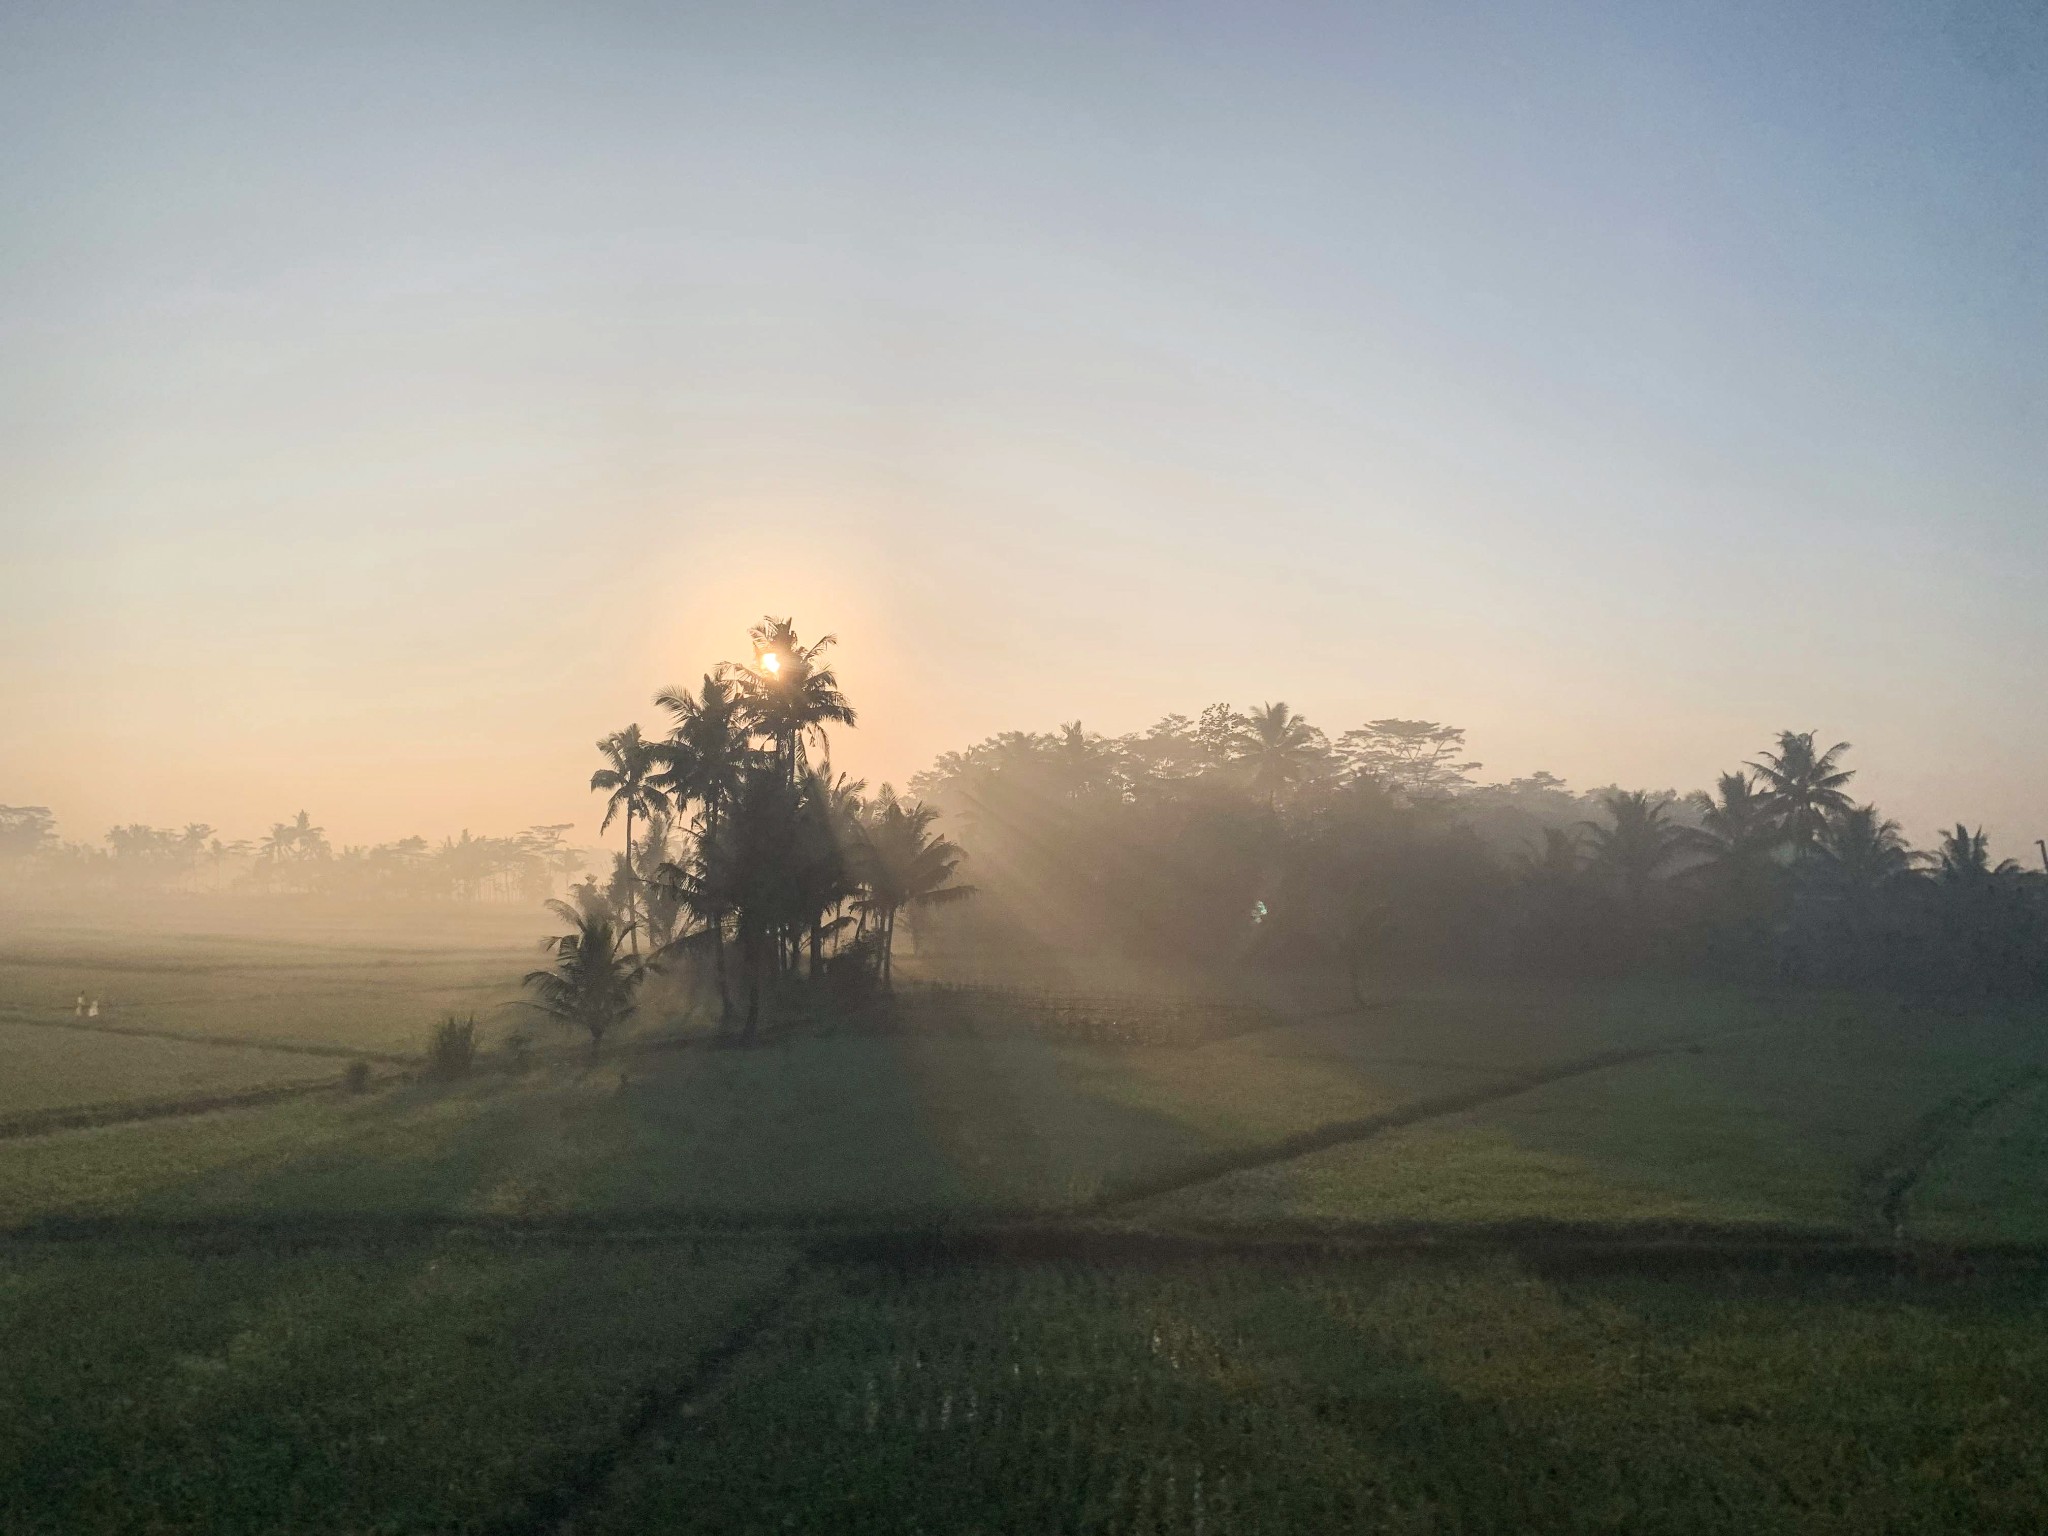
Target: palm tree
column 591, row 985
column 708, row 756
column 1083, row 765
column 1863, row 853
column 746, row 874
column 1739, row 833
column 275, row 848
column 192, row 845
column 1850, row 917
column 1638, row 844
column 1803, row 787
column 830, row 812
column 1736, row 822
column 707, row 753
column 791, row 697
column 658, row 909
column 1279, row 751
column 630, row 778
column 903, row 864
column 1557, row 862
column 1992, row 935
column 309, row 841
column 1737, row 847
column 1963, row 859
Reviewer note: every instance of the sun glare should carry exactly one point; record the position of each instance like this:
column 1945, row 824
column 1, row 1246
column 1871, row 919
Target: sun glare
column 770, row 662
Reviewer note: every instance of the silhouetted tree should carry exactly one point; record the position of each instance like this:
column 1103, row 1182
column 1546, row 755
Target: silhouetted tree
column 902, row 863
column 631, row 765
column 790, row 695
column 1279, row 751
column 1802, row 787
column 1410, row 757
column 1636, row 844
column 708, row 755
column 1855, row 912
column 591, row 985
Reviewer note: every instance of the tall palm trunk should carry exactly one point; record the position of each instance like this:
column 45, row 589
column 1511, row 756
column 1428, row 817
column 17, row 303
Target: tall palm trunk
column 718, row 928
column 632, row 924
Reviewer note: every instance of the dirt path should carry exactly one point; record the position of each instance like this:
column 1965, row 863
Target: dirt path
column 1342, row 1132
column 1889, row 1177
column 42, row 1122
column 664, row 1404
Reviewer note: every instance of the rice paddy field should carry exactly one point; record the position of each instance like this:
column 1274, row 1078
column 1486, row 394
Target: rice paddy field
column 1101, row 1251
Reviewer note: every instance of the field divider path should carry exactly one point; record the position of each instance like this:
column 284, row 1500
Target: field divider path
column 553, row 1512
column 1889, row 1177
column 43, row 1122
column 231, row 1042
column 1339, row 1133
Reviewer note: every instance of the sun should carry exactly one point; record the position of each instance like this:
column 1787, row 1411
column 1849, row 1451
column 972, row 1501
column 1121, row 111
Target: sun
column 770, row 662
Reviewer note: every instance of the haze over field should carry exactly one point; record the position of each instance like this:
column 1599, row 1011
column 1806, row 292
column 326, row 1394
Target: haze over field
column 390, row 401
column 1184, row 768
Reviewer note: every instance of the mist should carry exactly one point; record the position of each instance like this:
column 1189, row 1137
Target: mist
column 998, row 768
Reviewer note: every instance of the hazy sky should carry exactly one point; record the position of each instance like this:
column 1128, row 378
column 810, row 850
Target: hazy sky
column 391, row 399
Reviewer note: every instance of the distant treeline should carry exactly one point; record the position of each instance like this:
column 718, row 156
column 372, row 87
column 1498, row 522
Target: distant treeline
column 294, row 857
column 1252, row 835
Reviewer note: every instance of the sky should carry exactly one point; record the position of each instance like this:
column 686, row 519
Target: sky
column 393, row 398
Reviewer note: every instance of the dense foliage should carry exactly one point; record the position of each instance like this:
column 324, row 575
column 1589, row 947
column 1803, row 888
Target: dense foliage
column 1255, row 837
column 783, row 870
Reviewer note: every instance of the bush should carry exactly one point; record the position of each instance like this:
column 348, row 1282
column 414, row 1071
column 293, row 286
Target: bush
column 356, row 1077
column 854, row 975
column 452, row 1050
column 518, row 1051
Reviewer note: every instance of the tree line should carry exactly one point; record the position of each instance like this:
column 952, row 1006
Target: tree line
column 1251, row 834
column 295, row 857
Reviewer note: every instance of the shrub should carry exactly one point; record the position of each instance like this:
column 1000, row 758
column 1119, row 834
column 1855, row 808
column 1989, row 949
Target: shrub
column 853, row 976
column 452, row 1050
column 356, row 1077
column 518, row 1051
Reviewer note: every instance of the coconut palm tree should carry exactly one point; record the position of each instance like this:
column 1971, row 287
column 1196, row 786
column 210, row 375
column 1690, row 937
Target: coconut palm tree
column 1990, row 926
column 707, row 758
column 1738, row 839
column 192, row 846
column 1279, row 751
column 1637, row 843
column 1738, row 828
column 1852, row 913
column 307, row 840
column 744, row 875
column 1802, row 787
column 707, row 753
column 1963, row 859
column 791, row 695
column 902, row 863
column 1863, row 854
column 633, row 762
column 828, row 832
column 1080, row 765
column 591, row 984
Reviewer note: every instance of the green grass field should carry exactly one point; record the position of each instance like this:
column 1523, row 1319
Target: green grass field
column 57, row 1068
column 1115, row 1253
